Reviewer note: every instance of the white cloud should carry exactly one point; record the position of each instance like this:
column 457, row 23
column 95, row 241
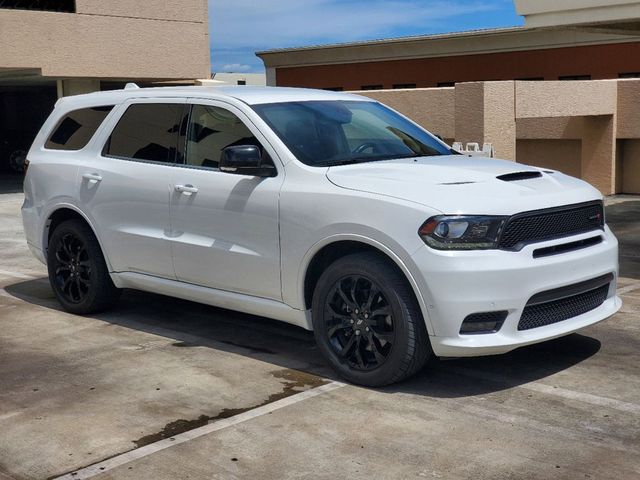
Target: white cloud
column 241, row 27
column 235, row 67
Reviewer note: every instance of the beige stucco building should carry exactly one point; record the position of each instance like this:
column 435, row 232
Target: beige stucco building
column 52, row 48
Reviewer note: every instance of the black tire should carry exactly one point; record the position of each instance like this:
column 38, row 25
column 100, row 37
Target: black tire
column 78, row 273
column 392, row 318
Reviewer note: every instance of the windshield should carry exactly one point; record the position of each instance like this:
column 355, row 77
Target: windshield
column 326, row 133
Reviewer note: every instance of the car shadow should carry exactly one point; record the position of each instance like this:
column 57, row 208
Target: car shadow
column 193, row 325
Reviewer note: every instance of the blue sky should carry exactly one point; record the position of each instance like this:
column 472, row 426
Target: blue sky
column 239, row 28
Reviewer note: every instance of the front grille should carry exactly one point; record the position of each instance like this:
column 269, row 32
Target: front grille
column 548, row 313
column 542, row 225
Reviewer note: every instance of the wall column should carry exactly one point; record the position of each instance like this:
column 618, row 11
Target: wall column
column 77, row 86
column 485, row 113
column 599, row 152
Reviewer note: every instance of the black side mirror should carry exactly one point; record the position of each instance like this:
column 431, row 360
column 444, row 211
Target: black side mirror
column 245, row 160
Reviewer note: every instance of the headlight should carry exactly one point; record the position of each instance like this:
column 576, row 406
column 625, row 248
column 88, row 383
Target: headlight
column 462, row 232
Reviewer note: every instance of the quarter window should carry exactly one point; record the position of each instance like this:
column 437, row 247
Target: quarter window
column 211, row 130
column 147, row 131
column 75, row 130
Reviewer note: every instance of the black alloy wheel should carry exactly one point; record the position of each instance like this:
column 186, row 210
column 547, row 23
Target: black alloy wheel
column 367, row 322
column 359, row 322
column 78, row 273
column 72, row 268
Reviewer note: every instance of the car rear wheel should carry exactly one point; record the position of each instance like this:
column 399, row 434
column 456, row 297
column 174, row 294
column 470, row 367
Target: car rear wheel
column 77, row 271
column 367, row 322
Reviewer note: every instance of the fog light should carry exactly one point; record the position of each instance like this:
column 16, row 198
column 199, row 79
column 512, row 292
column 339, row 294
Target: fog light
column 482, row 323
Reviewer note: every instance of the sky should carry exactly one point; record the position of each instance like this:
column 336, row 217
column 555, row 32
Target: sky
column 239, row 28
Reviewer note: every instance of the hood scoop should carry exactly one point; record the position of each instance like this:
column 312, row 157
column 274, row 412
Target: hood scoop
column 515, row 176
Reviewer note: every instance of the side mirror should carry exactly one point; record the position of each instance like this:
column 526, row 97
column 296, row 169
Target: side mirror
column 245, row 160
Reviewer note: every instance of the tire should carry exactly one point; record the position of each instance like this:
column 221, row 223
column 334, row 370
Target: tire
column 78, row 273
column 387, row 337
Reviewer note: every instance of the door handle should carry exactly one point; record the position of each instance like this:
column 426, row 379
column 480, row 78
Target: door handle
column 92, row 177
column 186, row 189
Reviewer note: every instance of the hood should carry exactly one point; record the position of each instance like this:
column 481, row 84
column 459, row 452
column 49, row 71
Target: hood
column 456, row 184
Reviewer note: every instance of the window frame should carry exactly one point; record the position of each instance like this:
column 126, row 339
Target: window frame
column 182, row 147
column 120, row 114
column 95, row 133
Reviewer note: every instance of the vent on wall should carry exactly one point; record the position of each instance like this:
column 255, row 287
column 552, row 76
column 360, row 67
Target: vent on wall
column 514, row 177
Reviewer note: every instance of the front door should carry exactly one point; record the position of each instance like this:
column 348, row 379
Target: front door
column 225, row 232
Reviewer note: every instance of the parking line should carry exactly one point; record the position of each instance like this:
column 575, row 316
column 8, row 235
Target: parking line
column 119, row 460
column 589, row 398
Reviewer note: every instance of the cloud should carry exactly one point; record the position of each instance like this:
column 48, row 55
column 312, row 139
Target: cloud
column 236, row 67
column 241, row 27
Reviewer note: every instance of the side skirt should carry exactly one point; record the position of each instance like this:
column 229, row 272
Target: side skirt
column 217, row 298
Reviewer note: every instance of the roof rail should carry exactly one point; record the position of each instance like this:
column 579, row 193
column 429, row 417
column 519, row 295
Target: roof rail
column 131, row 86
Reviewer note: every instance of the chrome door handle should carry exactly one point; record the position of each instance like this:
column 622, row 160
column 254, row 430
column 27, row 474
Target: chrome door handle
column 92, row 177
column 186, row 189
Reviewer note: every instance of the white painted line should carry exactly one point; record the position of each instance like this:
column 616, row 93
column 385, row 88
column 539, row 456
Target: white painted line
column 8, row 273
column 591, row 399
column 111, row 463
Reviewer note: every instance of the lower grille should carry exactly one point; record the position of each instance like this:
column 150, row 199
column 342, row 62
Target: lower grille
column 548, row 313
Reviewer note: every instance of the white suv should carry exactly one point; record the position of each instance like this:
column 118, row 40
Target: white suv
column 325, row 210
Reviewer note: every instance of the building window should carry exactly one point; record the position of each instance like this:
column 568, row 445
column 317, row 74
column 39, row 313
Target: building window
column 334, row 89
column 371, row 87
column 446, row 84
column 242, row 82
column 575, row 77
column 404, row 85
column 43, row 5
column 629, row 75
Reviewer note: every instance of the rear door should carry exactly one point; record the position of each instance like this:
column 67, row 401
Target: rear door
column 125, row 189
column 225, row 230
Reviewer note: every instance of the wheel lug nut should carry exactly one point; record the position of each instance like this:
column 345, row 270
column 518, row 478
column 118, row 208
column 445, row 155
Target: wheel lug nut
column 367, row 329
column 366, row 315
column 357, row 332
column 352, row 321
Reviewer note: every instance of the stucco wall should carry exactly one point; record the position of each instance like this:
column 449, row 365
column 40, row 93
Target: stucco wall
column 111, row 40
column 433, row 108
column 630, row 157
column 562, row 155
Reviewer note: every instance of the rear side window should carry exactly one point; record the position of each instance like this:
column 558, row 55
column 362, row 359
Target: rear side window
column 147, row 131
column 75, row 130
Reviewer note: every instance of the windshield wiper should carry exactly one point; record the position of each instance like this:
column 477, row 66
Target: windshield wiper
column 366, row 159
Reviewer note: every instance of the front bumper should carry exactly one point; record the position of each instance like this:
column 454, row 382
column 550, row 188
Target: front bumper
column 457, row 284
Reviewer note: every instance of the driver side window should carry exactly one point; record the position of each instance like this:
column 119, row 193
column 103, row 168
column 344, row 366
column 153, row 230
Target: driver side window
column 211, row 130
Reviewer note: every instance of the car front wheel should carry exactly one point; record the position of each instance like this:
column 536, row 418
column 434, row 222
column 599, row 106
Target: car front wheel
column 367, row 322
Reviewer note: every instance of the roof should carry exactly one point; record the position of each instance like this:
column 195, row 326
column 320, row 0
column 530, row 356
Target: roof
column 246, row 94
column 448, row 44
column 386, row 41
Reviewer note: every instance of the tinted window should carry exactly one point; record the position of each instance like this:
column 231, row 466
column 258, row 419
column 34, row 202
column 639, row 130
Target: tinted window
column 147, row 131
column 76, row 129
column 324, row 133
column 210, row 131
